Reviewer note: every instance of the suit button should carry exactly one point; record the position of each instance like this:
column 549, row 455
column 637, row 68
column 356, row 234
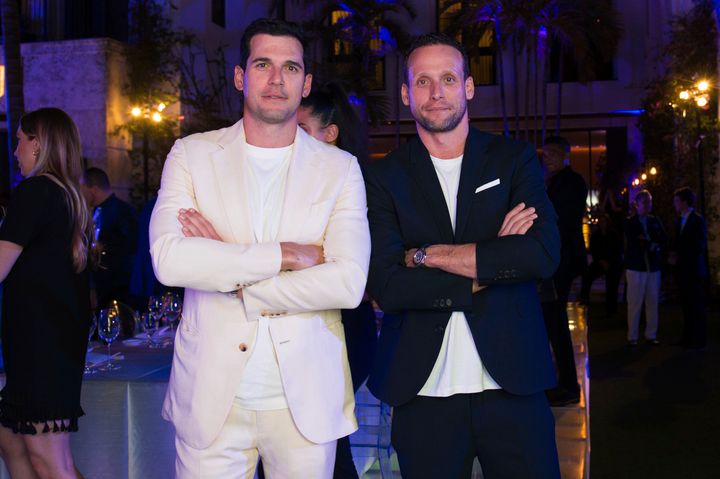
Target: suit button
column 442, row 303
column 242, row 347
column 448, row 302
column 439, row 329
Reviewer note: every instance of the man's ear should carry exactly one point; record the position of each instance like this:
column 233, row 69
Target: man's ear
column 405, row 94
column 469, row 88
column 331, row 133
column 307, row 85
column 239, row 78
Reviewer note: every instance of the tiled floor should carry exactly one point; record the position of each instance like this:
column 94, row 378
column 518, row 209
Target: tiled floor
column 374, row 457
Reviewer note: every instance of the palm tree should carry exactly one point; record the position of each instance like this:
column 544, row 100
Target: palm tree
column 586, row 29
column 13, row 85
column 364, row 32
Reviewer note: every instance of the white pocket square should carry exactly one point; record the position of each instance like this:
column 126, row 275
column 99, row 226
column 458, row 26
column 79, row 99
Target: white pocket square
column 490, row 184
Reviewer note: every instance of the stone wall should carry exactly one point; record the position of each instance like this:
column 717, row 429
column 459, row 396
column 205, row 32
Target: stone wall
column 85, row 78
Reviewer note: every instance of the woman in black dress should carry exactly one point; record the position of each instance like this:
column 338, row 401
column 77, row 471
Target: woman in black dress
column 46, row 310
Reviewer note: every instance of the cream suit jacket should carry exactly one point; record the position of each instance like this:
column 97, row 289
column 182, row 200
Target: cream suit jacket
column 325, row 205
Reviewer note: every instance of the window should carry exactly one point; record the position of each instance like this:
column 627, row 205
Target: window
column 347, row 59
column 218, row 12
column 480, row 54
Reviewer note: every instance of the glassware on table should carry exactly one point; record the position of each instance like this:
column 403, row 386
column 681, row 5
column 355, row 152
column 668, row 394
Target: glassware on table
column 149, row 325
column 91, row 330
column 172, row 308
column 108, row 330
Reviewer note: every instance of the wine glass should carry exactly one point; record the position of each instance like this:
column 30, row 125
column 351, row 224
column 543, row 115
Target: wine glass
column 91, row 331
column 108, row 330
column 172, row 308
column 149, row 325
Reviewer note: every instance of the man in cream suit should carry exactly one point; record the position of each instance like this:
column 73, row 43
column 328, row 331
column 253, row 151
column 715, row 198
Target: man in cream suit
column 266, row 230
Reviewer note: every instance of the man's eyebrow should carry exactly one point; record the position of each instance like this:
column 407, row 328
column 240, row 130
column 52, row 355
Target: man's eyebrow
column 268, row 60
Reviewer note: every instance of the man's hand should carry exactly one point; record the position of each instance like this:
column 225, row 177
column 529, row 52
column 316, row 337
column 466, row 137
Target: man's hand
column 518, row 221
column 300, row 256
column 194, row 225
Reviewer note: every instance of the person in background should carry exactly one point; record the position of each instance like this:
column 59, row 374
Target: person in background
column 690, row 257
column 113, row 242
column 46, row 311
column 568, row 193
column 644, row 240
column 326, row 115
column 606, row 250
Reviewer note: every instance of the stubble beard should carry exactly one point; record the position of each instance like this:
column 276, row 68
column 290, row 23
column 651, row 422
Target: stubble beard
column 440, row 126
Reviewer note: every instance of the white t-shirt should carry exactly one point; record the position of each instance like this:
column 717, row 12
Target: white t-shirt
column 260, row 386
column 458, row 368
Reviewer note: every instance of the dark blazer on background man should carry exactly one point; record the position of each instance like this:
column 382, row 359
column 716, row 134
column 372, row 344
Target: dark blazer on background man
column 643, row 251
column 118, row 237
column 691, row 247
column 567, row 192
column 406, row 209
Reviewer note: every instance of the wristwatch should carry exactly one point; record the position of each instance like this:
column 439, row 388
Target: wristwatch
column 420, row 256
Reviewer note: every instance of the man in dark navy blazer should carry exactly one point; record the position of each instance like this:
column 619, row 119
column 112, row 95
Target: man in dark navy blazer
column 691, row 266
column 461, row 229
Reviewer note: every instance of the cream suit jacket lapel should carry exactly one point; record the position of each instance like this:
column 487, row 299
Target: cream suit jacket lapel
column 229, row 165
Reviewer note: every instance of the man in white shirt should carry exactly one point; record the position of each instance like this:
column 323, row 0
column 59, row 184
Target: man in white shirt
column 463, row 355
column 266, row 230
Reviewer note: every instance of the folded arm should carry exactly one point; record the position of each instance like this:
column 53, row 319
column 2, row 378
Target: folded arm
column 197, row 262
column 338, row 282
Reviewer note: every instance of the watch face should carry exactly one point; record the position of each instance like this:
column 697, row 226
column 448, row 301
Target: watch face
column 419, row 257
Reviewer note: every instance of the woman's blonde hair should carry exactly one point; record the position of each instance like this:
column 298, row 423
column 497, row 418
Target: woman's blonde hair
column 60, row 159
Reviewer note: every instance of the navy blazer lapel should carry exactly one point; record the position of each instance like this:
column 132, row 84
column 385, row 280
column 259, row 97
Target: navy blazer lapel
column 473, row 163
column 423, row 172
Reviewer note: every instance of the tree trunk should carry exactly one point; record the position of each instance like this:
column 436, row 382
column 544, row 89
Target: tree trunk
column 559, row 94
column 543, row 122
column 528, row 67
column 535, row 89
column 516, row 87
column 501, row 74
column 14, row 103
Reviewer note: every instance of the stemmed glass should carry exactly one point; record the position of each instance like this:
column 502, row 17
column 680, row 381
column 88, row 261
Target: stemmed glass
column 108, row 330
column 91, row 331
column 172, row 308
column 149, row 324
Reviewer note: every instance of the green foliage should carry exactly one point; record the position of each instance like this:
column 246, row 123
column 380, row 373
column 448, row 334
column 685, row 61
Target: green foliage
column 671, row 127
column 206, row 89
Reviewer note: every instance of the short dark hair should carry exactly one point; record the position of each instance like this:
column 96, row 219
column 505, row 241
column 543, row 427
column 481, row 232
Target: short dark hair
column 429, row 39
column 559, row 141
column 686, row 194
column 642, row 194
column 96, row 177
column 276, row 28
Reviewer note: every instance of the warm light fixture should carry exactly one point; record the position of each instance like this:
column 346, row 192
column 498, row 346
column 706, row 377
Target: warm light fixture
column 156, row 117
column 136, row 111
column 701, row 101
column 636, row 182
column 684, row 95
column 643, row 177
column 161, row 106
column 703, row 85
column 653, row 171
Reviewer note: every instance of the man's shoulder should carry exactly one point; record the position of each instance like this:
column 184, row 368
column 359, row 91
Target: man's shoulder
column 494, row 143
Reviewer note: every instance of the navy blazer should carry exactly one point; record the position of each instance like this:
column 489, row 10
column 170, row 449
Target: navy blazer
column 691, row 247
column 644, row 252
column 406, row 209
